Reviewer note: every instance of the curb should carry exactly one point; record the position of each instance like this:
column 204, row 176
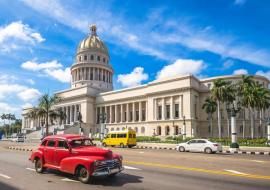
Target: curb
column 224, row 152
column 20, row 149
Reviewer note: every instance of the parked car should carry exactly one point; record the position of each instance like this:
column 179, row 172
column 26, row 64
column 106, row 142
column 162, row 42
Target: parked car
column 76, row 155
column 199, row 145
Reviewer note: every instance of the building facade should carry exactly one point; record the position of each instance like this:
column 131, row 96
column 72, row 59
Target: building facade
column 158, row 108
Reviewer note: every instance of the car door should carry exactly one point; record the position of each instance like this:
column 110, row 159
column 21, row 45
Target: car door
column 61, row 151
column 200, row 145
column 49, row 151
column 191, row 145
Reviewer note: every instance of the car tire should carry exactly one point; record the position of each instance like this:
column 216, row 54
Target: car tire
column 122, row 145
column 104, row 144
column 84, row 175
column 181, row 149
column 208, row 150
column 39, row 166
column 130, row 146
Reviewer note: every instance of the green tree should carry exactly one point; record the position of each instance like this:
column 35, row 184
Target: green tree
column 218, row 94
column 46, row 103
column 210, row 106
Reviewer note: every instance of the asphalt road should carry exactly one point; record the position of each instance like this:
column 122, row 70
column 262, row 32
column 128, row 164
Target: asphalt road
column 147, row 169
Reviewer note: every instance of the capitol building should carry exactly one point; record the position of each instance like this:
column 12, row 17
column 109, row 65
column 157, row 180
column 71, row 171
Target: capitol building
column 159, row 108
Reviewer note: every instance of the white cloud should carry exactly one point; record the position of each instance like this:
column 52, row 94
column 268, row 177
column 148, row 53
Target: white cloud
column 16, row 34
column 52, row 68
column 30, row 81
column 7, row 108
column 240, row 72
column 144, row 37
column 181, row 66
column 265, row 74
column 228, row 63
column 134, row 78
column 29, row 94
column 34, row 66
column 62, row 75
column 239, row 2
column 27, row 105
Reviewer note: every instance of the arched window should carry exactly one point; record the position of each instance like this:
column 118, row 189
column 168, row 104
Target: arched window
column 136, row 129
column 176, row 130
column 129, row 128
column 92, row 57
column 123, row 129
column 117, row 129
column 143, row 130
column 85, row 57
column 104, row 60
column 112, row 129
column 98, row 58
column 80, row 58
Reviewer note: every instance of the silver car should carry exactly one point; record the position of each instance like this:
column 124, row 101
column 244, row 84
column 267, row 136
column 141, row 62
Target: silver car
column 199, row 145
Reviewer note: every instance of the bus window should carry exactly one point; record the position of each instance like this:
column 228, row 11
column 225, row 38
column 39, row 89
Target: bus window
column 134, row 135
column 130, row 135
column 121, row 135
column 113, row 135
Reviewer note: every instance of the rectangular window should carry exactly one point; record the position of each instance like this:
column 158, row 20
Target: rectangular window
column 130, row 116
column 121, row 135
column 113, row 135
column 159, row 112
column 44, row 143
column 176, row 110
column 143, row 115
column 62, row 144
column 168, row 115
column 51, row 143
column 137, row 115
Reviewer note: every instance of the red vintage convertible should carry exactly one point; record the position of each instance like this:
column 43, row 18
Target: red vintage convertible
column 76, row 155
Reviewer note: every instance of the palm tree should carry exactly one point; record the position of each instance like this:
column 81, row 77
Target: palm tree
column 4, row 117
column 61, row 115
column 243, row 86
column 210, row 106
column 218, row 93
column 46, row 102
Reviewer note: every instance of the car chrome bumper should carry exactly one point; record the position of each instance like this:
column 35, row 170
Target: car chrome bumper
column 107, row 172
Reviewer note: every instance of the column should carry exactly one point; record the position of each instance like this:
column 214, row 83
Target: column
column 140, row 111
column 181, row 106
column 66, row 111
column 133, row 112
column 163, row 108
column 110, row 113
column 70, row 114
column 94, row 73
column 146, row 110
column 98, row 73
column 127, row 110
column 171, row 109
column 75, row 113
column 121, row 114
column 115, row 114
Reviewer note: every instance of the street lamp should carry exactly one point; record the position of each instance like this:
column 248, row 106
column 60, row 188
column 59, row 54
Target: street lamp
column 184, row 127
column 79, row 118
column 102, row 119
column 232, row 109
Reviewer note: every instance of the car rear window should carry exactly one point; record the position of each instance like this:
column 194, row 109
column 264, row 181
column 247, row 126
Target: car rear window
column 51, row 143
column 44, row 143
column 201, row 141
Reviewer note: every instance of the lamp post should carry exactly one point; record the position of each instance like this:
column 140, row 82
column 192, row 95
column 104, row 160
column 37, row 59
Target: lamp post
column 42, row 127
column 184, row 127
column 102, row 119
column 232, row 109
column 79, row 118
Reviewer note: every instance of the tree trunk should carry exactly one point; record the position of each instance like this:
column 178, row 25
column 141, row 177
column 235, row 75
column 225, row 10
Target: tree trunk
column 252, row 123
column 211, row 126
column 228, row 126
column 261, row 128
column 219, row 120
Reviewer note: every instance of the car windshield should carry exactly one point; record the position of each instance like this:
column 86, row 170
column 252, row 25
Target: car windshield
column 81, row 143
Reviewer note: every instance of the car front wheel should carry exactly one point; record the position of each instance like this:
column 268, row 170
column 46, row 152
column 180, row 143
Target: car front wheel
column 208, row 150
column 39, row 166
column 83, row 175
column 181, row 149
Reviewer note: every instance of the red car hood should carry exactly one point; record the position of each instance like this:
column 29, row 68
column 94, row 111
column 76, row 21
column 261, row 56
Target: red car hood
column 93, row 151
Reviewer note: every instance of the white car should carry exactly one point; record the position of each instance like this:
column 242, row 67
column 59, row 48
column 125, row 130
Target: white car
column 199, row 145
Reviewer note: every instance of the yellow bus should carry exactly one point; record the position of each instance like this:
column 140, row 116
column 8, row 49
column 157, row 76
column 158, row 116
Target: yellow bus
column 120, row 138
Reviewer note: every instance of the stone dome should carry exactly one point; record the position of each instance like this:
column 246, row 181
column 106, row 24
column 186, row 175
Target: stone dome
column 92, row 43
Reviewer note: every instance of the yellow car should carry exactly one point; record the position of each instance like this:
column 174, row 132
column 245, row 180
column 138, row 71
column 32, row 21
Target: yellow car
column 120, row 138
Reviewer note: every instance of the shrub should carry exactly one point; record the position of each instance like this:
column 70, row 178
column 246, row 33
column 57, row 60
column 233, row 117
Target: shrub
column 147, row 139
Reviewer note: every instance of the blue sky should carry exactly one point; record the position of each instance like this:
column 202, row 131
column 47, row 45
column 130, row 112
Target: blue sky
column 147, row 40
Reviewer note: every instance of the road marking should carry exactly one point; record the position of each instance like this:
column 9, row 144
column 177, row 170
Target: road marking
column 259, row 161
column 236, row 172
column 131, row 168
column 5, row 176
column 31, row 169
column 69, row 180
column 220, row 172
